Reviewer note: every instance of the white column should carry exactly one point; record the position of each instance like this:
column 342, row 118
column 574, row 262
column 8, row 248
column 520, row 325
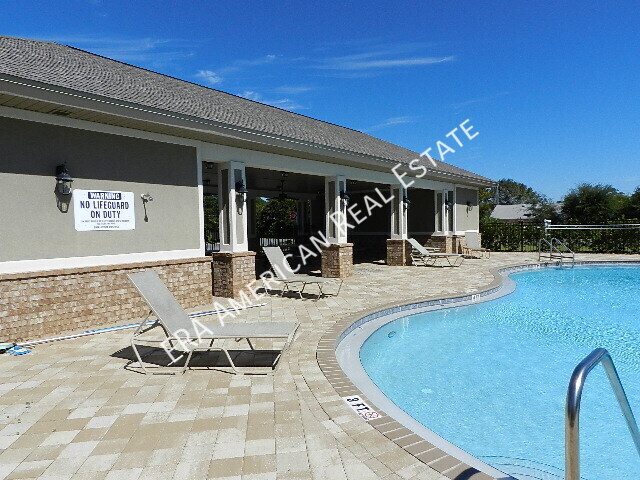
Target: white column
column 398, row 213
column 449, row 225
column 200, row 199
column 233, row 208
column 454, row 209
column 336, row 209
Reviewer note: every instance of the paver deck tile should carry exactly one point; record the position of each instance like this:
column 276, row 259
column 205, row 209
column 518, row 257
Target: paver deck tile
column 70, row 410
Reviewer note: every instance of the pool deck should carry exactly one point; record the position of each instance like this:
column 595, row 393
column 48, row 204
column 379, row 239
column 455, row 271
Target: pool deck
column 70, row 410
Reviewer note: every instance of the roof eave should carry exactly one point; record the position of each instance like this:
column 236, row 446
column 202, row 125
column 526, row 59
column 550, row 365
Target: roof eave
column 77, row 99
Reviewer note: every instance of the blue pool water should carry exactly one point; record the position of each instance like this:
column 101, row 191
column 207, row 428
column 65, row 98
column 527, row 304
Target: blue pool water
column 492, row 378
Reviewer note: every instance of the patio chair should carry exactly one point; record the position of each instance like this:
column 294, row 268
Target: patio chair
column 423, row 256
column 472, row 241
column 184, row 336
column 284, row 273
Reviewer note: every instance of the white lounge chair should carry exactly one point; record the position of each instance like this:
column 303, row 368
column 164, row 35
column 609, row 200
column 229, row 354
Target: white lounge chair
column 424, row 256
column 184, row 336
column 285, row 274
column 472, row 241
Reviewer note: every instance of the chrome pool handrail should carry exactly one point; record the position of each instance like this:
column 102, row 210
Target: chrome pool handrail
column 572, row 412
column 554, row 251
column 570, row 252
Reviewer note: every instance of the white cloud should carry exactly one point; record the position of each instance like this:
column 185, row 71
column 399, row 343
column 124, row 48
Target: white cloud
column 389, row 122
column 479, row 100
column 284, row 103
column 389, row 56
column 251, row 95
column 152, row 52
column 343, row 64
column 292, row 90
column 209, row 76
column 215, row 77
column 400, row 62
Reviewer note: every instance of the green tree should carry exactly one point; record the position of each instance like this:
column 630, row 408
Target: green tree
column 547, row 211
column 511, row 192
column 211, row 216
column 486, row 201
column 275, row 219
column 594, row 204
column 632, row 211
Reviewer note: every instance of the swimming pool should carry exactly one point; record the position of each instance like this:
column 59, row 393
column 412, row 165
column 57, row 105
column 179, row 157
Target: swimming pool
column 491, row 378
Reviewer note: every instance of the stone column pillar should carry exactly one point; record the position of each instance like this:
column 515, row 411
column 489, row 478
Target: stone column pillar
column 234, row 265
column 337, row 257
column 337, row 260
column 443, row 242
column 232, row 272
column 398, row 248
column 398, row 252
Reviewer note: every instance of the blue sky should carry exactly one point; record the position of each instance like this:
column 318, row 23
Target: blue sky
column 553, row 88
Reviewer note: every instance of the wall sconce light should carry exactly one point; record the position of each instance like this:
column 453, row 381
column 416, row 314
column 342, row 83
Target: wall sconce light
column 448, row 203
column 406, row 202
column 146, row 198
column 469, row 205
column 241, row 191
column 344, row 198
column 63, row 179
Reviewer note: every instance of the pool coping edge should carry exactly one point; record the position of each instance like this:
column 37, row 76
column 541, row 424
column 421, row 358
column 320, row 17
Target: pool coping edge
column 422, row 449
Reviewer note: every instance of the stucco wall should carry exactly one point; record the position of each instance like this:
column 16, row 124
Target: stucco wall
column 467, row 218
column 32, row 225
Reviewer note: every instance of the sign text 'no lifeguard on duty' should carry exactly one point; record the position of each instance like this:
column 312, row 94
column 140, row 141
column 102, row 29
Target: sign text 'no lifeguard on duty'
column 98, row 210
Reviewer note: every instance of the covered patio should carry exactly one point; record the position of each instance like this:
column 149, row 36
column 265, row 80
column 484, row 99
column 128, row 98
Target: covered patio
column 364, row 216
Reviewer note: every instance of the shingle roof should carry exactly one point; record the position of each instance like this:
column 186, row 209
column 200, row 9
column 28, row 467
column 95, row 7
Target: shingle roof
column 71, row 68
column 519, row 211
column 512, row 212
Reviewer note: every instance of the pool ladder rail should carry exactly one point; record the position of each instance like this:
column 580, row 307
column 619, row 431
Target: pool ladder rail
column 555, row 253
column 572, row 412
column 523, row 468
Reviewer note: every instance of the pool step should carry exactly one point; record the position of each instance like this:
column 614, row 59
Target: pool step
column 524, row 469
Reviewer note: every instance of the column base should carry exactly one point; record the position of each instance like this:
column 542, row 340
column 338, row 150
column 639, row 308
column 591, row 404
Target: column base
column 442, row 242
column 447, row 243
column 232, row 272
column 398, row 252
column 337, row 260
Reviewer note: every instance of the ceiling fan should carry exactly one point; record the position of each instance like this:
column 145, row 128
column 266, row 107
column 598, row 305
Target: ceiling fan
column 282, row 195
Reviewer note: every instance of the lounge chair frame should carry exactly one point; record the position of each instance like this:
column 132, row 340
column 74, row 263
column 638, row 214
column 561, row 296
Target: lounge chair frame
column 285, row 275
column 178, row 338
column 424, row 256
column 472, row 246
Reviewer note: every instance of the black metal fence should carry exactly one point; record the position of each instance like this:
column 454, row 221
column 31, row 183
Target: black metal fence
column 278, row 242
column 524, row 237
column 212, row 241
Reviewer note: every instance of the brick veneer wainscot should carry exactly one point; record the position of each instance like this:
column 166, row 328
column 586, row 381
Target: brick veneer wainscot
column 449, row 243
column 398, row 252
column 232, row 273
column 337, row 260
column 43, row 304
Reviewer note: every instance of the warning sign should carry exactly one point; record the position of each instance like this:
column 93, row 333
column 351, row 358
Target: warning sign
column 99, row 210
